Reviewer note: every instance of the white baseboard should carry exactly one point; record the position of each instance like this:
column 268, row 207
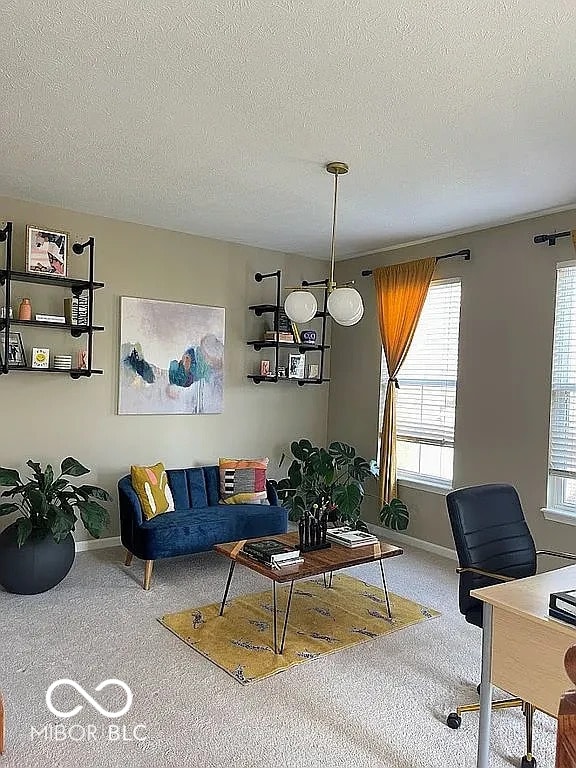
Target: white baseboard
column 403, row 538
column 111, row 541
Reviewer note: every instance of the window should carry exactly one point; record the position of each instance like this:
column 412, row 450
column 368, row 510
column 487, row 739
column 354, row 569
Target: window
column 426, row 397
column 562, row 451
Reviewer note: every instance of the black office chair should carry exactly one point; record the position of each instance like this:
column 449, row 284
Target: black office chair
column 494, row 544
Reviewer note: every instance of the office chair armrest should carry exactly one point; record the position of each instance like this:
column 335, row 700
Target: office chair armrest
column 565, row 555
column 488, row 574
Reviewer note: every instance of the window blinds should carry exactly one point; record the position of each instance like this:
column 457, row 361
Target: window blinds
column 563, row 407
column 426, row 399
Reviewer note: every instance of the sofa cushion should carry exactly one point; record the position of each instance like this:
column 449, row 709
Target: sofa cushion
column 243, row 481
column 197, row 530
column 151, row 486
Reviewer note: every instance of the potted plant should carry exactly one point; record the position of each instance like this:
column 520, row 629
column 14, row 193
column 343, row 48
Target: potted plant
column 37, row 550
column 329, row 477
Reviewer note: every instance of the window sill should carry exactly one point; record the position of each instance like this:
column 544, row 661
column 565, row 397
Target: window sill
column 559, row 515
column 442, row 489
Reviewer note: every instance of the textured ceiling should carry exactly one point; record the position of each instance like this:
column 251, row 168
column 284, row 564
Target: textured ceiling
column 217, row 117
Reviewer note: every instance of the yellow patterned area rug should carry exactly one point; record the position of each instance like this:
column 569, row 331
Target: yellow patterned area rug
column 321, row 621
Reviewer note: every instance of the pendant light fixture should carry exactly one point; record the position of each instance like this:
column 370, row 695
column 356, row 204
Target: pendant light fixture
column 344, row 303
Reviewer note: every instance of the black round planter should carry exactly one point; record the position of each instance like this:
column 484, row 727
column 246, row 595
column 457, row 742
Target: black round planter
column 35, row 567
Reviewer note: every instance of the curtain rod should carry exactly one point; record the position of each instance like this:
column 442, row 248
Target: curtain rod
column 550, row 239
column 465, row 252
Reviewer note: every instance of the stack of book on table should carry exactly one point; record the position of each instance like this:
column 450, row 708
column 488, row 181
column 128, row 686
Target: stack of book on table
column 562, row 606
column 272, row 552
column 348, row 537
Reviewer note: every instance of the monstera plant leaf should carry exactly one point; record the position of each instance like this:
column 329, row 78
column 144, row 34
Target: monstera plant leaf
column 395, row 515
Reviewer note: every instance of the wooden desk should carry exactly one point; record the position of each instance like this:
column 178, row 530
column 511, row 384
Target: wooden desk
column 522, row 647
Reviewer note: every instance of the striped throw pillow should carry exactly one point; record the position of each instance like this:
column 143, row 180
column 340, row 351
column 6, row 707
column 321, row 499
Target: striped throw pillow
column 243, row 481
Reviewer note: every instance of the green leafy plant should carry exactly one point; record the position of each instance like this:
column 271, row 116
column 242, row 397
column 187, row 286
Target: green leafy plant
column 394, row 514
column 329, row 477
column 49, row 504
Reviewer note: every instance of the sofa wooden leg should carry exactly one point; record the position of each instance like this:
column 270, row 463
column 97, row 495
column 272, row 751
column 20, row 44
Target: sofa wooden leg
column 129, row 557
column 148, row 573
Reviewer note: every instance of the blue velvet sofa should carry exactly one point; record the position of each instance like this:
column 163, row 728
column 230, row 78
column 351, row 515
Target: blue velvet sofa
column 198, row 521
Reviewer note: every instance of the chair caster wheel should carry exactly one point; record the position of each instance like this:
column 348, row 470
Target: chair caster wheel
column 455, row 721
column 528, row 763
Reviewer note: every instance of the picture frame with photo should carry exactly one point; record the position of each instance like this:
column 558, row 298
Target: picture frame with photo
column 313, row 371
column 16, row 351
column 46, row 252
column 265, row 368
column 296, row 366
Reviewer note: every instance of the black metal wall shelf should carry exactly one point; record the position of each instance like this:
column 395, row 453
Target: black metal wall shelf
column 277, row 345
column 77, row 286
column 75, row 373
column 276, row 379
column 258, row 345
column 62, row 282
column 75, row 330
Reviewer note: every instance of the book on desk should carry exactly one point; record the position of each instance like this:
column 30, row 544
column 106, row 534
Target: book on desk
column 562, row 606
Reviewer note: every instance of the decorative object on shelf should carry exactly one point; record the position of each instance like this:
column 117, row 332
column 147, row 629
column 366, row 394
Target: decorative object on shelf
column 313, row 371
column 171, row 357
column 344, row 302
column 331, row 478
column 40, row 357
column 37, row 550
column 308, row 336
column 3, row 313
column 50, row 319
column 63, row 362
column 264, row 367
column 25, row 310
column 82, row 359
column 296, row 366
column 16, row 352
column 282, row 372
column 46, row 251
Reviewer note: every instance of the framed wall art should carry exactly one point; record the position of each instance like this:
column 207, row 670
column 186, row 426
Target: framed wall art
column 46, row 252
column 171, row 357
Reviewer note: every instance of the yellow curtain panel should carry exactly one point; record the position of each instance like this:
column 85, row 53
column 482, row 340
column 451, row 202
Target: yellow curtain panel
column 401, row 290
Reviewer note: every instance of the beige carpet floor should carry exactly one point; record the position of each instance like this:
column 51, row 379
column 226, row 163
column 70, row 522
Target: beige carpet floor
column 378, row 705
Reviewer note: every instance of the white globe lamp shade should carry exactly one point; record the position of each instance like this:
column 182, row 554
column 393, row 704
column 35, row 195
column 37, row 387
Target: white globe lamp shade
column 300, row 306
column 345, row 306
column 354, row 320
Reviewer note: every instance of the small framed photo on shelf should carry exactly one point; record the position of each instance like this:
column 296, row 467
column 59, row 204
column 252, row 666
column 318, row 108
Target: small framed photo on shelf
column 296, row 364
column 264, row 367
column 313, row 371
column 309, row 337
column 46, row 252
column 40, row 357
column 16, row 353
column 281, row 371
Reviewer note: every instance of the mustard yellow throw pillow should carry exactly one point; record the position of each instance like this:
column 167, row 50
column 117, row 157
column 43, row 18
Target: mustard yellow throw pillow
column 151, row 486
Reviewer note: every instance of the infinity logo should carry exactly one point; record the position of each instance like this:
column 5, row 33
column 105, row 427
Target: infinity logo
column 77, row 709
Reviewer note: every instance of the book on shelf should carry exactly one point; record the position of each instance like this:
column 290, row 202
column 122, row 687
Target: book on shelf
column 562, row 605
column 270, row 551
column 277, row 335
column 348, row 537
column 50, row 318
column 296, row 332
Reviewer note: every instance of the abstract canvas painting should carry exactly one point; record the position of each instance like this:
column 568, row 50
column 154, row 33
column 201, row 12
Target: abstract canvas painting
column 171, row 357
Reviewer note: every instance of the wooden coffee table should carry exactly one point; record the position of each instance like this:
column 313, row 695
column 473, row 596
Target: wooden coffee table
column 322, row 561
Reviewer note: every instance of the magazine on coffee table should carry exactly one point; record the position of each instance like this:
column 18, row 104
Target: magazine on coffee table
column 348, row 537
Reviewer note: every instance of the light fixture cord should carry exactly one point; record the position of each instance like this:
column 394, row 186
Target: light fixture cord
column 333, row 245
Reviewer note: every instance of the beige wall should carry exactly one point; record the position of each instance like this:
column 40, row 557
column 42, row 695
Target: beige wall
column 503, row 395
column 49, row 416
